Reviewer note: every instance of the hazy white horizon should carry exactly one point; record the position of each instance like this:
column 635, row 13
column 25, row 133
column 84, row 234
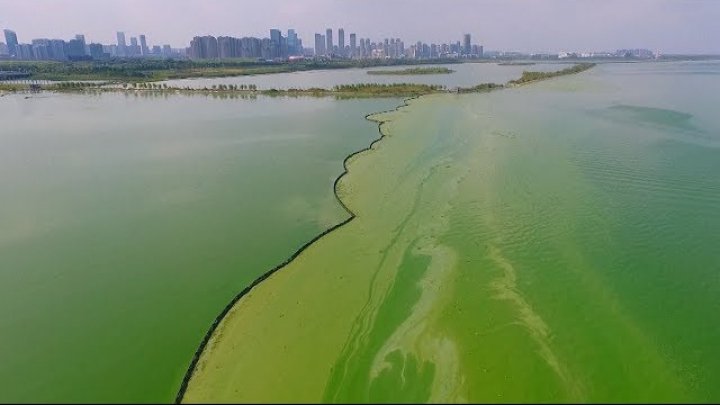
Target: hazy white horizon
column 670, row 26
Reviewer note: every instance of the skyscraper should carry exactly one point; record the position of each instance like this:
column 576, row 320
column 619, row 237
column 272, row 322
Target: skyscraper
column 204, row 48
column 328, row 42
column 275, row 43
column 292, row 43
column 12, row 42
column 81, row 39
column 134, row 49
column 341, row 42
column 353, row 45
column 144, row 51
column 467, row 48
column 121, row 44
column 319, row 45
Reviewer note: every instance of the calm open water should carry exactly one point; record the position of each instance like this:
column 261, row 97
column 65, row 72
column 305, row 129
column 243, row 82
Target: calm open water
column 465, row 75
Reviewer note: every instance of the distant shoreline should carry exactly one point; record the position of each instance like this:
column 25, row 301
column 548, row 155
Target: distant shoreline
column 155, row 70
column 368, row 90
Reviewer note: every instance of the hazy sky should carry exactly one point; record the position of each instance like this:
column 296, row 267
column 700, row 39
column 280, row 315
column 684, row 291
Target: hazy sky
column 523, row 25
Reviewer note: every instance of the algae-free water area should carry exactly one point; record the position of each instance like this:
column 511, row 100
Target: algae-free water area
column 464, row 75
column 558, row 241
column 127, row 224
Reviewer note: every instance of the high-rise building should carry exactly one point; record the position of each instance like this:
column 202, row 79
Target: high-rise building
column 134, row 48
column 121, row 39
column 3, row 49
column 211, row 47
column 81, row 38
column 41, row 49
column 96, row 51
column 319, row 45
column 328, row 42
column 353, row 45
column 275, row 43
column 75, row 49
column 121, row 44
column 204, row 48
column 57, row 49
column 12, row 42
column 144, row 51
column 24, row 52
column 341, row 41
column 226, row 47
column 467, row 47
column 294, row 47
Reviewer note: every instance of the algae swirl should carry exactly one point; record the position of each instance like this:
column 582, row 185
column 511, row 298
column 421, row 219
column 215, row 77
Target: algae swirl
column 484, row 264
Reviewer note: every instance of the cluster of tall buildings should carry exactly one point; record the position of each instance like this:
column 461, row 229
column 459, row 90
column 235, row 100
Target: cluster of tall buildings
column 326, row 45
column 275, row 47
column 390, row 48
column 78, row 49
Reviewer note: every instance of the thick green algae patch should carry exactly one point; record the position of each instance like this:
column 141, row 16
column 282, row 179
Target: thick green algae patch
column 485, row 264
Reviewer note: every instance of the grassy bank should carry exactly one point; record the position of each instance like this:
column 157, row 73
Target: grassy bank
column 413, row 71
column 529, row 76
column 133, row 70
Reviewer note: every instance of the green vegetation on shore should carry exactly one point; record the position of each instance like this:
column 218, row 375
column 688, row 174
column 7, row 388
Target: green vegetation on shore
column 413, row 71
column 482, row 87
column 133, row 70
column 529, row 76
column 410, row 89
column 516, row 63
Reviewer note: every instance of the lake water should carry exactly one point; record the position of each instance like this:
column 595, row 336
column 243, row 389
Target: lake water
column 127, row 223
column 465, row 75
column 556, row 241
column 551, row 242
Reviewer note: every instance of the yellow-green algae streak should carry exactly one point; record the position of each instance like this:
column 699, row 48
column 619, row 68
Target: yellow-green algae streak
column 485, row 264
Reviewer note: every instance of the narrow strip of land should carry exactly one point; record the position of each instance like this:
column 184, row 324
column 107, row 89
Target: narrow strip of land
column 363, row 90
column 413, row 71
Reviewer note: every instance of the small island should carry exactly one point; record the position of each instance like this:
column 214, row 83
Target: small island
column 413, row 71
column 516, row 63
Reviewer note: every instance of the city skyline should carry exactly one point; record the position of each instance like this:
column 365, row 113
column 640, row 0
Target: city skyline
column 670, row 26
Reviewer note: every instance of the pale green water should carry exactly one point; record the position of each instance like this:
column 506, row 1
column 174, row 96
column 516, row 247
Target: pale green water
column 127, row 224
column 552, row 242
column 465, row 75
